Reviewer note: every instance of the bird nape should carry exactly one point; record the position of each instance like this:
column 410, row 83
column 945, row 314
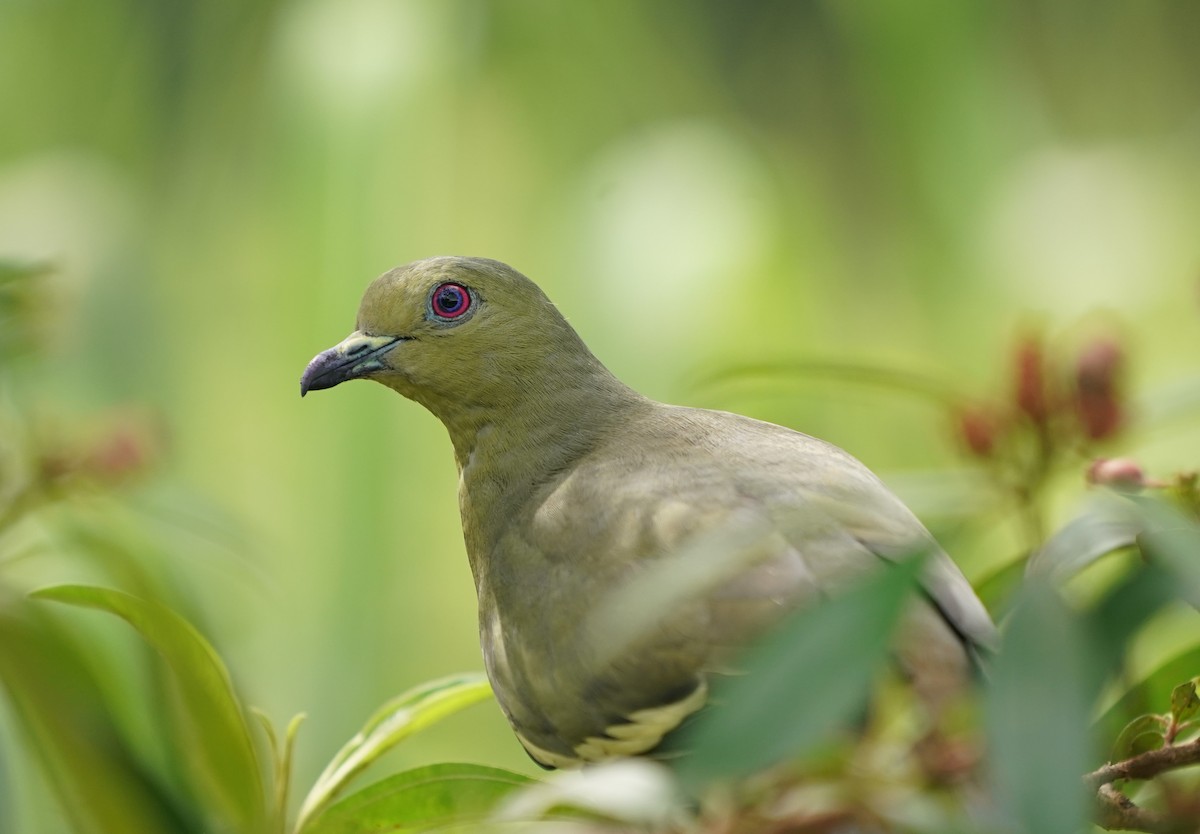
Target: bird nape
column 572, row 485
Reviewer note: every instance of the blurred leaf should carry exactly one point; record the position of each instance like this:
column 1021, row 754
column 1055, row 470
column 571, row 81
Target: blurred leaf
column 282, row 758
column 1141, row 734
column 633, row 791
column 1173, row 541
column 21, row 303
column 875, row 376
column 1185, row 702
column 997, row 588
column 419, row 800
column 395, row 721
column 1038, row 703
column 100, row 786
column 799, row 683
column 1123, row 610
column 1084, row 540
column 220, row 754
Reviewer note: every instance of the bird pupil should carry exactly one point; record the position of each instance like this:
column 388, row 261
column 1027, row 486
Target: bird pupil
column 450, row 300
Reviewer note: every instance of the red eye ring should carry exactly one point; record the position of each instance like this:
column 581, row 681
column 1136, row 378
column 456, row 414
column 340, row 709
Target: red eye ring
column 449, row 301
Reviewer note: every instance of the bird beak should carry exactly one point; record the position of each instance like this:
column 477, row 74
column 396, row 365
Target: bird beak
column 355, row 356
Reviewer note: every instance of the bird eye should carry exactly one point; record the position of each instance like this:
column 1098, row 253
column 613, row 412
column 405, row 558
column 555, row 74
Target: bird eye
column 449, row 301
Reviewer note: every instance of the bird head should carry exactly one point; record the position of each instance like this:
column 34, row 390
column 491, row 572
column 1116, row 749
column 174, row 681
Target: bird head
column 453, row 332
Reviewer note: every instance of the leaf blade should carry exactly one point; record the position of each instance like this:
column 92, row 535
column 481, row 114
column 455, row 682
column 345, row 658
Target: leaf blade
column 399, row 718
column 223, row 761
column 419, row 799
column 1037, row 708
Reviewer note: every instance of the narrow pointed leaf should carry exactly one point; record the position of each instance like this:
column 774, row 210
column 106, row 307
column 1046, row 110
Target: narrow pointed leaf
column 806, row 679
column 1038, row 705
column 396, row 720
column 215, row 739
column 419, row 800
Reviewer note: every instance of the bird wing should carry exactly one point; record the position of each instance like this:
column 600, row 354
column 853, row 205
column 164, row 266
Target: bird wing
column 632, row 575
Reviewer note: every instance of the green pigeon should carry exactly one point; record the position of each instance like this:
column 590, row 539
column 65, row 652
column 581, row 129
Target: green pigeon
column 573, row 488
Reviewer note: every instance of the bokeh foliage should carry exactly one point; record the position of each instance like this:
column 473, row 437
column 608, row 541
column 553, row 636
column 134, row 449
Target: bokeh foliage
column 205, row 187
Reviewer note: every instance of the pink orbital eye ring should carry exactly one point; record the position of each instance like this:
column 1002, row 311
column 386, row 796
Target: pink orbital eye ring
column 449, row 301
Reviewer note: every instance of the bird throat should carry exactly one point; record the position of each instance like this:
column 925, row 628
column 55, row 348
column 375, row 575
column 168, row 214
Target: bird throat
column 509, row 454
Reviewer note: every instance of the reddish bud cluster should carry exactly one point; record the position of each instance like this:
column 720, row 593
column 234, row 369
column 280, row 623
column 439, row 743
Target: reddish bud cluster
column 1048, row 403
column 126, row 449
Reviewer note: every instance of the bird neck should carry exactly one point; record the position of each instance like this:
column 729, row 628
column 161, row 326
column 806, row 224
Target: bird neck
column 508, row 448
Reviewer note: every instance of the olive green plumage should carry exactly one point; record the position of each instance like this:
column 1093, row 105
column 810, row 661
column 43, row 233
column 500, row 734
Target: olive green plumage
column 572, row 485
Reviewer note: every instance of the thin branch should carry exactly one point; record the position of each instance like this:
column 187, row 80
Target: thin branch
column 1146, row 765
column 1118, row 813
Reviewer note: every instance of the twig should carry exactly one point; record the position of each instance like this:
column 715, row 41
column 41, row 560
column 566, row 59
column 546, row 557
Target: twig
column 1146, row 765
column 1118, row 813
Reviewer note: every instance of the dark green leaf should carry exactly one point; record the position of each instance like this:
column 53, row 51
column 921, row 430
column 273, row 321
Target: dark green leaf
column 806, row 679
column 213, row 730
column 1141, row 734
column 419, row 800
column 1118, row 616
column 1038, row 703
column 1185, row 702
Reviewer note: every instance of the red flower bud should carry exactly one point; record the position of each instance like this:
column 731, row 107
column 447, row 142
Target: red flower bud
column 1097, row 399
column 1099, row 366
column 979, row 430
column 1119, row 473
column 1100, row 415
column 1031, row 394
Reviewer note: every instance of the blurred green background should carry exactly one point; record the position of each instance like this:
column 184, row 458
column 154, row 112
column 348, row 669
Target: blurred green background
column 698, row 185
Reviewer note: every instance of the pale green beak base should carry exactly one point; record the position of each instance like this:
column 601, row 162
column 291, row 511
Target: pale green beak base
column 355, row 356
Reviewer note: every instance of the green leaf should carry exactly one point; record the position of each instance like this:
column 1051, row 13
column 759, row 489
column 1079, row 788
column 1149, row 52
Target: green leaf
column 420, row 799
column 1121, row 613
column 808, row 677
column 996, row 588
column 395, row 721
column 1037, row 708
column 100, row 785
column 1185, row 701
column 282, row 758
column 1083, row 540
column 215, row 739
column 1150, row 693
column 1141, row 734
column 1172, row 540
